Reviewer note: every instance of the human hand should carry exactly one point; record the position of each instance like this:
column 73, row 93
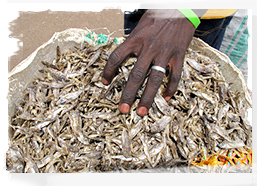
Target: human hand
column 161, row 39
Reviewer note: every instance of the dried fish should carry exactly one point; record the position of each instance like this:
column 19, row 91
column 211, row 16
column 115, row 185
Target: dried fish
column 67, row 98
column 76, row 122
column 160, row 124
column 70, row 122
column 198, row 66
column 126, row 149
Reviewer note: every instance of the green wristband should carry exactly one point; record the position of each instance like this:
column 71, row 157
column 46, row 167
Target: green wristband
column 191, row 16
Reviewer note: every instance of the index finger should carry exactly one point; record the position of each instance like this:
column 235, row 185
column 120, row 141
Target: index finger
column 116, row 59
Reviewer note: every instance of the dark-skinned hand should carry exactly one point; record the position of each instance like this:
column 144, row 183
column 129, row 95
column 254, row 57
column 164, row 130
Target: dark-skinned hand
column 160, row 38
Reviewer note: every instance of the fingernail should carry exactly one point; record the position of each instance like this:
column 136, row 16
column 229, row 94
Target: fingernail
column 167, row 98
column 142, row 111
column 105, row 81
column 124, row 108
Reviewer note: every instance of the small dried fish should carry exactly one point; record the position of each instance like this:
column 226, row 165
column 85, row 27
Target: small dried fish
column 67, row 98
column 70, row 122
column 198, row 66
column 136, row 129
column 160, row 124
column 162, row 104
column 126, row 142
column 232, row 144
column 75, row 122
column 58, row 75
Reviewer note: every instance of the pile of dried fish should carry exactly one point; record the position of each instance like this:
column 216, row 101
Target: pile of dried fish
column 70, row 122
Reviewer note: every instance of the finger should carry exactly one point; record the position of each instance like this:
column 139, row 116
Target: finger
column 175, row 64
column 116, row 58
column 135, row 80
column 153, row 84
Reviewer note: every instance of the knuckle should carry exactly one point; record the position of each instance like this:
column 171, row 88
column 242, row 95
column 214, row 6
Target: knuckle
column 179, row 52
column 135, row 36
column 151, row 47
column 166, row 48
column 127, row 97
column 167, row 45
column 176, row 51
column 115, row 57
column 137, row 74
column 156, row 80
column 153, row 43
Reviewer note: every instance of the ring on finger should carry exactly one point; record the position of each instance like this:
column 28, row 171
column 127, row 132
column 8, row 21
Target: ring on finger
column 158, row 68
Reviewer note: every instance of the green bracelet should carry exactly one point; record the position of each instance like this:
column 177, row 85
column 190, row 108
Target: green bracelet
column 191, row 16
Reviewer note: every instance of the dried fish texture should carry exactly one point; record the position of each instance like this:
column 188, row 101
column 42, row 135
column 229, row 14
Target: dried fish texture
column 69, row 121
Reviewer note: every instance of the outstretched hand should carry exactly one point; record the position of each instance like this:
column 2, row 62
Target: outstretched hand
column 160, row 38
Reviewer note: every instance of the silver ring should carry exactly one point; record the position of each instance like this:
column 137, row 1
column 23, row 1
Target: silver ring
column 158, row 68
